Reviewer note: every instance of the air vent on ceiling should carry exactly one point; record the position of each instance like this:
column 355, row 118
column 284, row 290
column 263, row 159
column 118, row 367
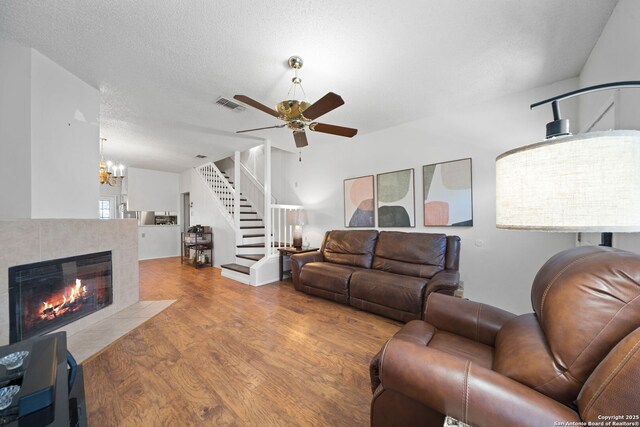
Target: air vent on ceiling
column 201, row 156
column 227, row 103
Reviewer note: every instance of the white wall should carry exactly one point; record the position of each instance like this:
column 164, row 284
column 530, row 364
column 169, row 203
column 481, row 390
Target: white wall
column 615, row 58
column 64, row 142
column 158, row 241
column 205, row 211
column 150, row 190
column 253, row 159
column 48, row 139
column 15, row 143
column 497, row 266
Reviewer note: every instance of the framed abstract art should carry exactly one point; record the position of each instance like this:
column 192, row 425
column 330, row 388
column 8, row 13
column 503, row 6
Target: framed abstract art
column 396, row 199
column 447, row 190
column 358, row 202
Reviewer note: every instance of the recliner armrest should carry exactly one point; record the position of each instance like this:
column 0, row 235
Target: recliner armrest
column 472, row 394
column 445, row 281
column 473, row 320
column 299, row 260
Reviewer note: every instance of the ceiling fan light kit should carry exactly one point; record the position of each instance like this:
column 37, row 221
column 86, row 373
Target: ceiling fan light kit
column 298, row 114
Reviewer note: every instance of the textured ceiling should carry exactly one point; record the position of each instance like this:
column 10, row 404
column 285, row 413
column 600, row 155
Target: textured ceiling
column 160, row 65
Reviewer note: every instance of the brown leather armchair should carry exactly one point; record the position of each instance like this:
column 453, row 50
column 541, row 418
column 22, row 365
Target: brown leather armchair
column 575, row 359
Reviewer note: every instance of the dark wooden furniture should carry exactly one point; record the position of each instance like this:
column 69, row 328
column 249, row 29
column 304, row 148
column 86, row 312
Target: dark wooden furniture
column 51, row 385
column 197, row 249
column 288, row 251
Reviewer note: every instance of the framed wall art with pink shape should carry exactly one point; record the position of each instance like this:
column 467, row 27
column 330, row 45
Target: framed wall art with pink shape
column 358, row 202
column 447, row 190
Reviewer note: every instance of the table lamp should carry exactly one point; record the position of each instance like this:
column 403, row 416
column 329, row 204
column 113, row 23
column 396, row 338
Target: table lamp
column 297, row 218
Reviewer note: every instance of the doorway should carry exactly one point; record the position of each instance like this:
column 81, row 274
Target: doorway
column 186, row 211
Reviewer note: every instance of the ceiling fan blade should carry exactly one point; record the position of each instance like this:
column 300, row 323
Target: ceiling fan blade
column 301, row 138
column 323, row 105
column 255, row 104
column 333, row 129
column 268, row 127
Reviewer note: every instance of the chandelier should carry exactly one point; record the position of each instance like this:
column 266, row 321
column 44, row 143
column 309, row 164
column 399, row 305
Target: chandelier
column 110, row 173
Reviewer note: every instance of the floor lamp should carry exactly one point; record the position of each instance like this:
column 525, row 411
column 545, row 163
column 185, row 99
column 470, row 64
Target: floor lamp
column 583, row 183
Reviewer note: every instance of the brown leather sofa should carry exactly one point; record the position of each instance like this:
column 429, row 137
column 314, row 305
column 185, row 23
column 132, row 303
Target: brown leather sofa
column 575, row 359
column 388, row 273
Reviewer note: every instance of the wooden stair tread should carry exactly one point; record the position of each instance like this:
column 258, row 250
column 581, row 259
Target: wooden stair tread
column 251, row 226
column 250, row 219
column 258, row 245
column 248, row 212
column 252, row 257
column 247, row 236
column 237, row 267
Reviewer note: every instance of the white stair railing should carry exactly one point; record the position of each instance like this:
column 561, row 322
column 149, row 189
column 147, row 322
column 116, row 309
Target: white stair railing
column 219, row 188
column 252, row 188
column 280, row 227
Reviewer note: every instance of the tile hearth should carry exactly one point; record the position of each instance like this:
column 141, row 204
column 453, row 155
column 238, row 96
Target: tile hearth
column 87, row 342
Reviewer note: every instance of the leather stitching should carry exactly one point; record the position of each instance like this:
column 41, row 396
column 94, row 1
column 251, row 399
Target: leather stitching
column 610, row 377
column 381, row 360
column 552, row 281
column 426, row 308
column 602, row 330
column 478, row 323
column 465, row 395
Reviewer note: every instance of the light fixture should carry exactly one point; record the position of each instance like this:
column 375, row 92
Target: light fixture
column 300, row 114
column 108, row 173
column 587, row 182
column 297, row 218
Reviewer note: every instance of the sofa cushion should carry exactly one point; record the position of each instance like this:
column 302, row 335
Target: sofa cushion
column 413, row 254
column 329, row 277
column 352, row 247
column 391, row 290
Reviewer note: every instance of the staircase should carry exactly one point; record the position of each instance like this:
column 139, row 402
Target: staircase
column 250, row 248
column 250, row 237
column 255, row 264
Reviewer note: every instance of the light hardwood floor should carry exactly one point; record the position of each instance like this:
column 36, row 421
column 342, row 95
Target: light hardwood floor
column 231, row 354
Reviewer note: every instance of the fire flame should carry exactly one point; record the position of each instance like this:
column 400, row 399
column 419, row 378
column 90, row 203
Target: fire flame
column 52, row 308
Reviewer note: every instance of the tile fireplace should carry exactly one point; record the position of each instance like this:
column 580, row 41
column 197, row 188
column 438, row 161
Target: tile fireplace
column 31, row 241
column 46, row 295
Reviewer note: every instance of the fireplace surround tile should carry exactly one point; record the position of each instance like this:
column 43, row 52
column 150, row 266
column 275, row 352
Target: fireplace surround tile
column 4, row 319
column 30, row 241
column 92, row 340
column 20, row 245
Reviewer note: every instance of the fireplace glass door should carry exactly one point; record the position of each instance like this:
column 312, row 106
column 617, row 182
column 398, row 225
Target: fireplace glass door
column 47, row 295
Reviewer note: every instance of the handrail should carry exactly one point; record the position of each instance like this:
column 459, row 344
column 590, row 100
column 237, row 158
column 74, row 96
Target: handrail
column 282, row 232
column 255, row 180
column 220, row 188
column 290, row 207
column 223, row 179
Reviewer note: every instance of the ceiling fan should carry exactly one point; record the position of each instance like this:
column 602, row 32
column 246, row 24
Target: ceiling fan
column 299, row 115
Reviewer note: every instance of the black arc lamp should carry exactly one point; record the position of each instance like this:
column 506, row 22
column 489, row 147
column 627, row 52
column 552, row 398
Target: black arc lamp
column 572, row 183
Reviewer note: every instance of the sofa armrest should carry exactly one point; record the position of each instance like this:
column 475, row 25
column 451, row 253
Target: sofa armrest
column 472, row 394
column 473, row 320
column 298, row 261
column 445, row 281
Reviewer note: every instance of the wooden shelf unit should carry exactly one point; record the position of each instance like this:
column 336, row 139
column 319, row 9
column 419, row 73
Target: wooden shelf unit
column 196, row 249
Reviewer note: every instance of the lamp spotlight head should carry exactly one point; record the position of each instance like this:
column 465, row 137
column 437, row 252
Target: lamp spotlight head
column 558, row 127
